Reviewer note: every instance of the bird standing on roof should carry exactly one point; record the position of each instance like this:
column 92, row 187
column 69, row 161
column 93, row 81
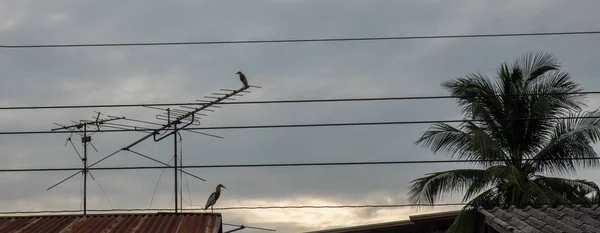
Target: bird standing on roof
column 212, row 199
column 243, row 78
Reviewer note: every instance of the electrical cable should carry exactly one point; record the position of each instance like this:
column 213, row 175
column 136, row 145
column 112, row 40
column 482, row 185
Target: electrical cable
column 307, row 125
column 529, row 34
column 157, row 183
column 102, row 190
column 433, row 97
column 321, row 164
column 254, row 208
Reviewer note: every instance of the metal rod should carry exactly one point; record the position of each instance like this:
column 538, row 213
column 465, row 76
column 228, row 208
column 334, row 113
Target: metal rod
column 65, row 179
column 127, row 126
column 255, row 228
column 179, row 111
column 236, row 229
column 165, row 164
column 164, row 118
column 141, row 130
column 201, row 114
column 175, row 157
column 85, row 142
column 141, row 121
column 162, row 109
column 180, row 174
column 206, row 134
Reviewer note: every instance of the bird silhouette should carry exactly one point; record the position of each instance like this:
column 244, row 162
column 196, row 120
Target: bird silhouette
column 243, row 78
column 212, row 199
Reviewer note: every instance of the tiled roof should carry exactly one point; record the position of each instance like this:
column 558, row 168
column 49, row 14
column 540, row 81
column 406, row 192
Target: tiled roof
column 530, row 220
column 114, row 223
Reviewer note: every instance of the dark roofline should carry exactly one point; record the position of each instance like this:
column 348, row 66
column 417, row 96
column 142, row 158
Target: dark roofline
column 410, row 221
column 452, row 213
column 366, row 227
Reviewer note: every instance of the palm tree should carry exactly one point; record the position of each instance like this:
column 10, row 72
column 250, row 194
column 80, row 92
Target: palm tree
column 514, row 137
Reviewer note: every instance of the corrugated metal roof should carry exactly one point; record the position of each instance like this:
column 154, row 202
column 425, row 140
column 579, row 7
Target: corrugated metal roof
column 530, row 220
column 114, row 223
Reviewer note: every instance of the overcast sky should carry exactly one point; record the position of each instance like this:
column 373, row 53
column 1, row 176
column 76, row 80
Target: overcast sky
column 58, row 76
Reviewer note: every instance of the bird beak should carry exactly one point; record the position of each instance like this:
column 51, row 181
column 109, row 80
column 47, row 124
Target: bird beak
column 224, row 187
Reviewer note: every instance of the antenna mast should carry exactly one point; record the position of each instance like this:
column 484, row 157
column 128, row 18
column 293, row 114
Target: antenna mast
column 81, row 129
column 176, row 120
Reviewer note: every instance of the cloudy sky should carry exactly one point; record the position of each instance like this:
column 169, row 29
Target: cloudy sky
column 122, row 75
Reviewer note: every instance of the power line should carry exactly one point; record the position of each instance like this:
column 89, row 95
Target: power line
column 283, row 101
column 263, row 208
column 336, row 206
column 239, row 208
column 300, row 40
column 304, row 125
column 288, row 164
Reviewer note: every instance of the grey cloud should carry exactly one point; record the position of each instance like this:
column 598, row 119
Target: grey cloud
column 286, row 71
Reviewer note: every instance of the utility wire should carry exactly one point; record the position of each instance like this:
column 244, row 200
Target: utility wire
column 292, row 164
column 335, row 206
column 261, row 208
column 158, row 182
column 103, row 192
column 239, row 208
column 307, row 125
column 529, row 34
column 285, row 101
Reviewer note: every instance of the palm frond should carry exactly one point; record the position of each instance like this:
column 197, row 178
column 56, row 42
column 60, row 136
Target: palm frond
column 487, row 199
column 537, row 194
column 476, row 95
column 567, row 191
column 428, row 189
column 558, row 92
column 474, row 143
column 570, row 146
column 515, row 177
column 494, row 174
column 464, row 222
column 536, row 64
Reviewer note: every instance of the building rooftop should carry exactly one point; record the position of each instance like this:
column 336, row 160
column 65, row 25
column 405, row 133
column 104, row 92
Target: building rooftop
column 114, row 223
column 416, row 223
column 545, row 219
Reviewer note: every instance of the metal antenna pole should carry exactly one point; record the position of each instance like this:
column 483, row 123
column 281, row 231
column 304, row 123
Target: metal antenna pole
column 180, row 176
column 85, row 139
column 175, row 159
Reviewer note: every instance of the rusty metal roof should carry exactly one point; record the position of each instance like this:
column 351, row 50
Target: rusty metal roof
column 114, row 223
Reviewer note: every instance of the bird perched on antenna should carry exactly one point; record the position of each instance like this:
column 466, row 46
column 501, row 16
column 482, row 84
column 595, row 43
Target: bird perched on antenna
column 243, row 78
column 212, row 199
